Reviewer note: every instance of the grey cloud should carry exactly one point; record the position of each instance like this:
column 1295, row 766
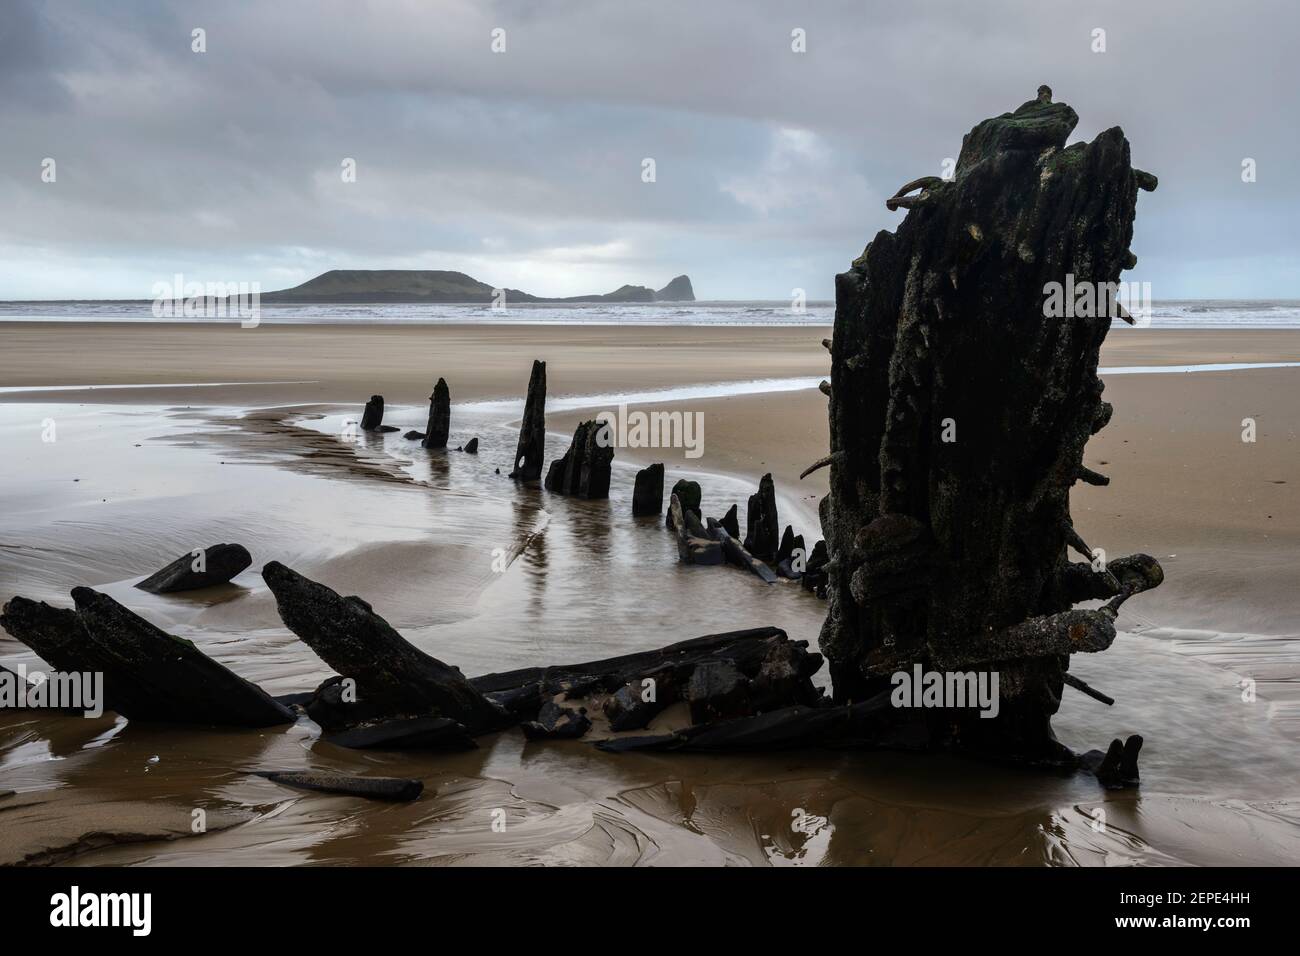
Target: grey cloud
column 772, row 166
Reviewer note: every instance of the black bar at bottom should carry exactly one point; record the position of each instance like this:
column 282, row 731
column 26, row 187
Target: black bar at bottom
column 337, row 904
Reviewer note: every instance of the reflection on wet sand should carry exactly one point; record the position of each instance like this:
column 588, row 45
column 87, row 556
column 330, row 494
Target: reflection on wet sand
column 491, row 576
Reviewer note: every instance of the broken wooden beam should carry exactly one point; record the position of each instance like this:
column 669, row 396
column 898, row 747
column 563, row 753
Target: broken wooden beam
column 414, row 733
column 390, row 676
column 149, row 675
column 1088, row 476
column 1070, row 632
column 694, row 546
column 820, row 463
column 1082, row 687
column 397, row 789
column 200, row 568
column 690, row 495
column 522, row 692
column 738, row 555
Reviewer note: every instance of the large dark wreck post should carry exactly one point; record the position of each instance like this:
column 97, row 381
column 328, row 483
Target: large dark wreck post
column 584, row 469
column 439, row 427
column 532, row 430
column 958, row 418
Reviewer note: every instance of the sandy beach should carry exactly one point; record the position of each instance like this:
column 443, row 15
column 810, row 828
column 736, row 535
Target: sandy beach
column 346, row 363
column 139, row 473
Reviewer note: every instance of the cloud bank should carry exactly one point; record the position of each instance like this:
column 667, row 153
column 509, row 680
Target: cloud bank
column 524, row 168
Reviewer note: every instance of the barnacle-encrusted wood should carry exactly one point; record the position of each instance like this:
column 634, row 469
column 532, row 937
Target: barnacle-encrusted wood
column 958, row 419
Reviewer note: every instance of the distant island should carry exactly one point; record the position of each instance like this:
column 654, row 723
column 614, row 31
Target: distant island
column 427, row 285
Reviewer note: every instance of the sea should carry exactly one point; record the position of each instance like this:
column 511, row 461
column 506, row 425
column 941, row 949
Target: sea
column 1173, row 313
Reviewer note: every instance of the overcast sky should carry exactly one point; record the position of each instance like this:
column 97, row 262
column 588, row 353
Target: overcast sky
column 524, row 168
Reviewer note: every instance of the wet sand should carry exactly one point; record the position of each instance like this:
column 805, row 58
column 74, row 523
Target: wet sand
column 345, row 363
column 137, row 476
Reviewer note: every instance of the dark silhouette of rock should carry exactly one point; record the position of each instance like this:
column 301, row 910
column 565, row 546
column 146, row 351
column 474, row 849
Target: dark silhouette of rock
column 471, row 446
column 532, row 430
column 689, row 494
column 414, row 435
column 213, row 565
column 557, row 723
column 648, row 492
column 959, row 411
column 678, row 290
column 391, row 676
column 149, row 675
column 584, row 470
column 435, row 435
column 439, row 285
column 397, row 789
column 373, row 416
column 762, row 528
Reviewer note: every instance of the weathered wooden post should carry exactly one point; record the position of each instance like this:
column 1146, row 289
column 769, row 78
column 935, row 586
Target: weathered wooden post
column 532, row 430
column 959, row 412
column 439, row 427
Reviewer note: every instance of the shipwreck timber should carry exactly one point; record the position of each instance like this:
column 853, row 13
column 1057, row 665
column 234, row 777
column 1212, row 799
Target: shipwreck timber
column 960, row 408
column 959, row 414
